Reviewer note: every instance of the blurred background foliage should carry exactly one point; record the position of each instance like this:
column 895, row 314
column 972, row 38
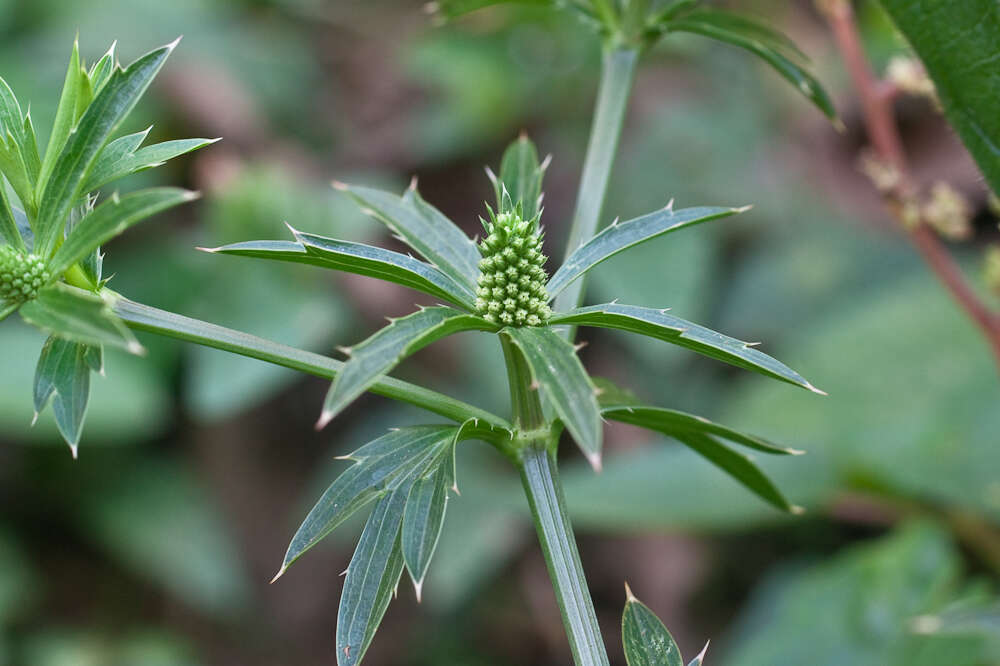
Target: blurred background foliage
column 156, row 546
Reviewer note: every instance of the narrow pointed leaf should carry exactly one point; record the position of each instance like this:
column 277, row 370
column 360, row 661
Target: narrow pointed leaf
column 13, row 167
column 621, row 236
column 65, row 116
column 29, row 149
column 749, row 27
column 739, row 466
column 697, row 661
column 646, row 641
column 360, row 259
column 450, row 9
column 111, row 166
column 425, row 229
column 380, row 466
column 113, row 217
column 381, row 352
column 11, row 120
column 9, row 233
column 664, row 326
column 63, row 375
column 102, row 117
column 558, row 372
column 424, row 518
column 102, row 69
column 371, row 579
column 521, row 174
column 488, row 426
column 79, row 316
column 804, row 82
column 671, row 422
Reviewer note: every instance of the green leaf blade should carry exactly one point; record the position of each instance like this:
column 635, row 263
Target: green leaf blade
column 423, row 520
column 558, row 372
column 521, row 174
column 113, row 163
column 113, row 217
column 664, row 326
column 63, row 376
column 380, row 353
column 9, row 232
column 79, row 316
column 621, row 236
column 646, row 641
column 425, row 229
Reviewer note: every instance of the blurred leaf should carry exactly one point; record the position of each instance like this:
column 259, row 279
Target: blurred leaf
column 102, row 117
column 63, row 374
column 18, row 582
column 619, row 237
column 371, row 579
column 855, row 608
column 425, row 229
column 113, row 217
column 423, row 520
column 450, row 9
column 159, row 522
column 521, row 174
column 561, row 377
column 647, row 642
column 959, row 43
column 80, row 316
column 381, row 466
column 80, row 647
column 380, row 353
column 663, row 326
column 116, row 162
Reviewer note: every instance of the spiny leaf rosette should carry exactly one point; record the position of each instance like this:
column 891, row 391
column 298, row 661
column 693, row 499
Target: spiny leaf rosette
column 21, row 275
column 512, row 280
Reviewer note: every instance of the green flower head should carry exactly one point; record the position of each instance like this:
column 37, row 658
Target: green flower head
column 21, row 275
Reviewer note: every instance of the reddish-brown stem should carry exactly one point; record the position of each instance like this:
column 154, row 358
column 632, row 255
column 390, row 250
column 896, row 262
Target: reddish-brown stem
column 876, row 101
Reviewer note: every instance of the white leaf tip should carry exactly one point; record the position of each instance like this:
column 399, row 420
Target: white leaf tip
column 338, row 185
column 629, row 597
column 281, row 572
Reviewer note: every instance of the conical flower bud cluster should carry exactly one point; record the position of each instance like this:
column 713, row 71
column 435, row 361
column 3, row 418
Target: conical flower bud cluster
column 512, row 278
column 21, row 275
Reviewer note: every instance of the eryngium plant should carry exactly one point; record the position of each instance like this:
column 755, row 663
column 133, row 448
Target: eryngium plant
column 499, row 287
column 50, row 237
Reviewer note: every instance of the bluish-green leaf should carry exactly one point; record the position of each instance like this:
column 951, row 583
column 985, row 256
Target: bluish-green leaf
column 102, row 117
column 669, row 422
column 423, row 520
column 738, row 466
column 114, row 163
column 380, row 466
column 101, row 70
column 63, row 375
column 113, row 217
column 380, row 353
column 425, row 229
column 9, row 232
column 959, row 44
column 646, row 641
column 559, row 374
column 621, row 236
column 664, row 326
column 521, row 174
column 371, row 579
column 79, row 316
column 65, row 115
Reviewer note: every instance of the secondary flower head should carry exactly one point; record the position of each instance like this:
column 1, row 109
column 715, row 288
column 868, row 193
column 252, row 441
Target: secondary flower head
column 511, row 287
column 21, row 275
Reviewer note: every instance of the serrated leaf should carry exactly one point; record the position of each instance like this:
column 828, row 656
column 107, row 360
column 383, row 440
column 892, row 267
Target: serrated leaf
column 357, row 258
column 104, row 114
column 79, row 316
column 380, row 466
column 959, row 43
column 425, row 229
column 113, row 217
column 9, row 232
column 63, row 375
column 558, row 372
column 621, row 236
column 740, row 467
column 646, row 641
column 115, row 164
column 804, row 82
column 664, row 326
column 669, row 422
column 423, row 520
column 521, row 174
column 380, row 353
column 371, row 579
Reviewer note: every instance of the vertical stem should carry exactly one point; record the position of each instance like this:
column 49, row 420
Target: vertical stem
column 536, row 451
column 617, row 74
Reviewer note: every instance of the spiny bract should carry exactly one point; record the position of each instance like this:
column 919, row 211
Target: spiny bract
column 511, row 278
column 21, row 275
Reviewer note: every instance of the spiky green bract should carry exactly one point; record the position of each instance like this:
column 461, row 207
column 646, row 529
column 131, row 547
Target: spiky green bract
column 511, row 287
column 21, row 275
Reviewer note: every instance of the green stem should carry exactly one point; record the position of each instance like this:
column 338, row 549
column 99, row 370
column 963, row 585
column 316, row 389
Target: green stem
column 145, row 318
column 535, row 447
column 617, row 74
